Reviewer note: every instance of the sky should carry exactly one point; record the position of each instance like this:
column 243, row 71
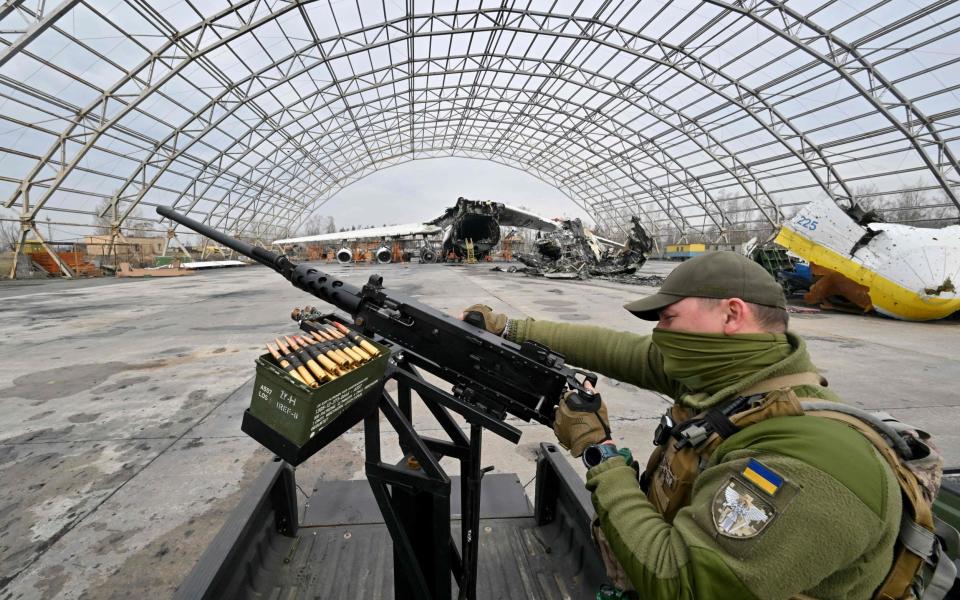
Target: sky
column 919, row 54
column 417, row 191
column 420, row 190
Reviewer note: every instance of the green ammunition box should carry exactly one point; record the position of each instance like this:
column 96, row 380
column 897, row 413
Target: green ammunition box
column 297, row 412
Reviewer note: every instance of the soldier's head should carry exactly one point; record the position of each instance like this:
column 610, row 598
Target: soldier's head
column 720, row 292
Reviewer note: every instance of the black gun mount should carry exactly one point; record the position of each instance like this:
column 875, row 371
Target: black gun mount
column 490, row 378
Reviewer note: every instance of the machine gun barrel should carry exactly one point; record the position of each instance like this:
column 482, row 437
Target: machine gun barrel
column 277, row 262
column 525, row 380
column 339, row 293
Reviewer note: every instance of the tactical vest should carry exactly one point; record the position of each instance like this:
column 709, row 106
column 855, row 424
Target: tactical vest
column 685, row 442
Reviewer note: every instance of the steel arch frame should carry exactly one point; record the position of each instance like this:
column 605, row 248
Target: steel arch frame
column 665, row 49
column 768, row 127
column 793, row 20
column 275, row 177
column 210, row 124
column 400, row 107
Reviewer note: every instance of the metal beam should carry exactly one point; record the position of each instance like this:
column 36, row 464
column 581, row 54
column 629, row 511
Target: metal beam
column 43, row 22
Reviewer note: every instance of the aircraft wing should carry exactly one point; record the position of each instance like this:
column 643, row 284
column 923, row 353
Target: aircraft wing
column 911, row 273
column 390, row 231
column 448, row 215
column 517, row 217
column 212, row 264
column 506, row 216
column 608, row 242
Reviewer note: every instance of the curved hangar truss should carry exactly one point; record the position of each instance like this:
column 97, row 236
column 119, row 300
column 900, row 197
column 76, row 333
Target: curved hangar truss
column 709, row 117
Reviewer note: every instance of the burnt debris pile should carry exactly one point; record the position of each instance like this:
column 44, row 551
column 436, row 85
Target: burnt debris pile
column 574, row 252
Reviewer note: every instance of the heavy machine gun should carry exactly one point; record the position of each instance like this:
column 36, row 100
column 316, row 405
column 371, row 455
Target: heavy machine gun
column 493, row 374
column 490, row 377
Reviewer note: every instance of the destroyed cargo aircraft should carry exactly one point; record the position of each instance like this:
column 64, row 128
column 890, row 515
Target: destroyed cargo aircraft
column 479, row 222
column 574, row 252
column 904, row 272
column 467, row 223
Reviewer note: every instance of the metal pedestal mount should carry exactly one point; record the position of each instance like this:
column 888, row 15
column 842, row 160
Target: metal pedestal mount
column 414, row 495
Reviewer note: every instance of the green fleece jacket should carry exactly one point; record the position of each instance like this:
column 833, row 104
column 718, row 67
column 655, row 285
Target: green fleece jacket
column 829, row 529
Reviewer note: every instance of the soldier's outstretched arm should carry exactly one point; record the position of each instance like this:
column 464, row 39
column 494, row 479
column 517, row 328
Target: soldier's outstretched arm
column 794, row 528
column 627, row 357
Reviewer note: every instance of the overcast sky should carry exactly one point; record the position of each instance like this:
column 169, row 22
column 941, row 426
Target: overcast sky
column 413, row 192
column 587, row 105
column 420, row 190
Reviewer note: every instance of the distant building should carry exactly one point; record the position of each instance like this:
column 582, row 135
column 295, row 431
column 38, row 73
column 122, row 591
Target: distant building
column 685, row 251
column 145, row 248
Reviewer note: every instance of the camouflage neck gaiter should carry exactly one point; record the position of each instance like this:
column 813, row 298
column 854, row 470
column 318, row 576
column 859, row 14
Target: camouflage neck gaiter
column 709, row 362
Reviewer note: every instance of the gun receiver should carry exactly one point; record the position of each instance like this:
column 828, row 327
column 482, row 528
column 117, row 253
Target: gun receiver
column 499, row 376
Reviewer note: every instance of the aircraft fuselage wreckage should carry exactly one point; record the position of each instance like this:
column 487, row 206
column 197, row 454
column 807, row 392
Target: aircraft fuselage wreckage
column 905, row 272
column 476, row 221
column 480, row 222
column 574, row 252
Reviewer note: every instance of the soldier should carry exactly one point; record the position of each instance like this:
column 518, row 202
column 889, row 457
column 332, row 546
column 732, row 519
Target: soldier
column 745, row 496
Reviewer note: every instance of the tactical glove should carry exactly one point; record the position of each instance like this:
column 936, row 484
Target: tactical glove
column 481, row 315
column 577, row 429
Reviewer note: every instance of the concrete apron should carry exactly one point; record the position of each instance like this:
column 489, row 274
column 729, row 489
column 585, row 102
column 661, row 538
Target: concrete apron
column 121, row 453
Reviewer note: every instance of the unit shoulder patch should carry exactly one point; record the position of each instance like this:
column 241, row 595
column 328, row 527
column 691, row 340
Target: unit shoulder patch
column 739, row 511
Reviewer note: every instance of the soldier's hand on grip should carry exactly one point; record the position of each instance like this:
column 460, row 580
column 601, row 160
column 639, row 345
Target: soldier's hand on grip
column 577, row 429
column 481, row 315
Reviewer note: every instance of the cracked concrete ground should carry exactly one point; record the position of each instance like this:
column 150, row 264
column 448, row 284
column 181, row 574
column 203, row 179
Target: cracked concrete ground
column 120, row 403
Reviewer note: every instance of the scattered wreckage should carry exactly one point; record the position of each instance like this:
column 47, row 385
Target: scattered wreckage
column 790, row 272
column 574, row 252
column 904, row 272
column 848, row 260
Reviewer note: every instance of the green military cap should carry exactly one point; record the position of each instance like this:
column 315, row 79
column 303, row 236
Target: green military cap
column 712, row 275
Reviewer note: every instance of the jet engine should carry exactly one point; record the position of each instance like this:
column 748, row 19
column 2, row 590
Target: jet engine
column 383, row 255
column 344, row 256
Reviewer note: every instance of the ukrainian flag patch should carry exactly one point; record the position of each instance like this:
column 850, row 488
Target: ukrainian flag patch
column 762, row 477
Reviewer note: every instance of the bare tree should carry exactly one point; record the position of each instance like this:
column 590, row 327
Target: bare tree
column 865, row 194
column 9, row 231
column 138, row 226
column 135, row 225
column 317, row 225
column 742, row 219
column 910, row 205
column 103, row 222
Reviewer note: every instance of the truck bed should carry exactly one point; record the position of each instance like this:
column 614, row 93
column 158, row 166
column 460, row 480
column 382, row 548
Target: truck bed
column 340, row 547
column 337, row 546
